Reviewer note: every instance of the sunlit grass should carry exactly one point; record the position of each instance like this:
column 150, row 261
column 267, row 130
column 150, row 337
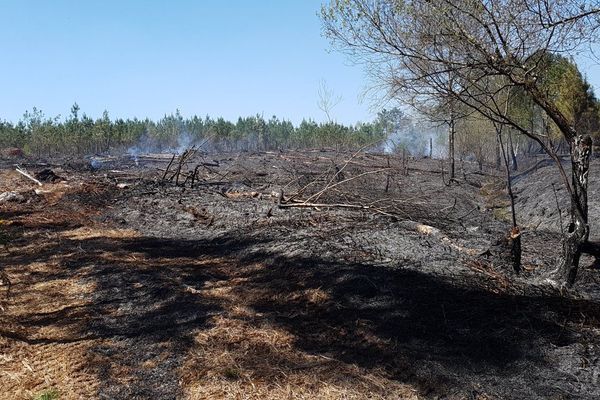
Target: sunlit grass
column 48, row 395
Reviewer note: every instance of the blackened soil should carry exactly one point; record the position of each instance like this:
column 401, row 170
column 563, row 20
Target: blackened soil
column 415, row 289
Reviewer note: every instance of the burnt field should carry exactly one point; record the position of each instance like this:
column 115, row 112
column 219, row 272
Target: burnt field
column 296, row 275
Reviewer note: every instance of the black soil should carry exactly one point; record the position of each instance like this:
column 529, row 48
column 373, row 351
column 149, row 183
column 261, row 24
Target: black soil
column 418, row 285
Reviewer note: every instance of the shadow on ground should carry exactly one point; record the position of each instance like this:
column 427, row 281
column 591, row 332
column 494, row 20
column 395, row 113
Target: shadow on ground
column 422, row 328
column 142, row 300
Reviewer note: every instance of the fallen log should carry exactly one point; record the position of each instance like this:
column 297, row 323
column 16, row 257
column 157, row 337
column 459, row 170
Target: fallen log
column 215, row 163
column 28, row 176
column 325, row 205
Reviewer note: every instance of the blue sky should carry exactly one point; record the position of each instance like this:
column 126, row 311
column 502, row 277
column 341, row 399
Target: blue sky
column 145, row 58
column 148, row 58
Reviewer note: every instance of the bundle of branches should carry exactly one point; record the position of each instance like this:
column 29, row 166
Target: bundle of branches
column 337, row 179
column 179, row 162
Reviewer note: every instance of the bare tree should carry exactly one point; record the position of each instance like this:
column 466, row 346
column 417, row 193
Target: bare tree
column 327, row 99
column 460, row 49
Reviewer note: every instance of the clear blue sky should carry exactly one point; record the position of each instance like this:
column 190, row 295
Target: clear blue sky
column 145, row 58
column 148, row 57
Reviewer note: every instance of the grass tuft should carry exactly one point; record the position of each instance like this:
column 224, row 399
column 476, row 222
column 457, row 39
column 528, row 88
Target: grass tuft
column 48, row 395
column 232, row 373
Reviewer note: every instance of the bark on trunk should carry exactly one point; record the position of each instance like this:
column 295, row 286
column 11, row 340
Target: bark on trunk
column 578, row 232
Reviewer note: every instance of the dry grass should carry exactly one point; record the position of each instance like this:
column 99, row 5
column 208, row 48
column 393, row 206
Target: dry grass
column 238, row 360
column 496, row 198
column 245, row 356
column 13, row 181
column 240, row 355
column 86, row 232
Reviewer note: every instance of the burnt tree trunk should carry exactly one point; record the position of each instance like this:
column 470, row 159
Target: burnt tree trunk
column 451, row 132
column 578, row 231
column 430, row 148
column 514, row 236
column 577, row 235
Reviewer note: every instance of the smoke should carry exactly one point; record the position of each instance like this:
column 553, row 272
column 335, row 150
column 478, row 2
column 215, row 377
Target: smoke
column 95, row 163
column 418, row 139
column 148, row 144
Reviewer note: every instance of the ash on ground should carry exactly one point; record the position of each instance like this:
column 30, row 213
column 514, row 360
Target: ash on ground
column 294, row 274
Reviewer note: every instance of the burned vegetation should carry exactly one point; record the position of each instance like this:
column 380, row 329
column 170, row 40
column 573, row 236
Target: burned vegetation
column 296, row 274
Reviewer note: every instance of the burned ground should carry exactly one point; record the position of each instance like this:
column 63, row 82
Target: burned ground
column 127, row 287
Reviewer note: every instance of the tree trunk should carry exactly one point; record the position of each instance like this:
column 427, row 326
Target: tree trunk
column 514, row 236
column 513, row 157
column 430, row 147
column 498, row 161
column 578, row 232
column 451, row 132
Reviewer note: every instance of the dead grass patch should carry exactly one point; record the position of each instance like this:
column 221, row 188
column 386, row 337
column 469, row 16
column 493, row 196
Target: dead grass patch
column 33, row 369
column 86, row 233
column 10, row 180
column 245, row 358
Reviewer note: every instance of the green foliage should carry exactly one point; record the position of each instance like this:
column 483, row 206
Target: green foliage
column 79, row 134
column 476, row 137
column 232, row 373
column 48, row 395
column 564, row 85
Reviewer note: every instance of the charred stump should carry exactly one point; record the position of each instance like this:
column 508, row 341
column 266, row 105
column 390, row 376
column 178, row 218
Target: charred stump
column 514, row 241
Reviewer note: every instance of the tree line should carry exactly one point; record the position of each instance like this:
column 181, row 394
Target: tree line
column 473, row 134
column 80, row 134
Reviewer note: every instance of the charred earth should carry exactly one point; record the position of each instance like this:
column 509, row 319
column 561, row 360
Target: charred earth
column 287, row 275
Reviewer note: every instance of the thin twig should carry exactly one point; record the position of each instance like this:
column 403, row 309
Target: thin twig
column 329, row 187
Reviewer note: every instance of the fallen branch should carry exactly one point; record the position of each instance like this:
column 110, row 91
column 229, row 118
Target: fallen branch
column 169, row 166
column 467, row 213
column 313, row 182
column 448, row 208
column 328, row 187
column 337, row 174
column 335, row 205
column 28, row 176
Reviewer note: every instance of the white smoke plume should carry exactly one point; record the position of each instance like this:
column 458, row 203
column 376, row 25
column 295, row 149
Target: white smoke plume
column 417, row 137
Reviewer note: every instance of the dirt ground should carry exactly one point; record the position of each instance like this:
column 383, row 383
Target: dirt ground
column 124, row 286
